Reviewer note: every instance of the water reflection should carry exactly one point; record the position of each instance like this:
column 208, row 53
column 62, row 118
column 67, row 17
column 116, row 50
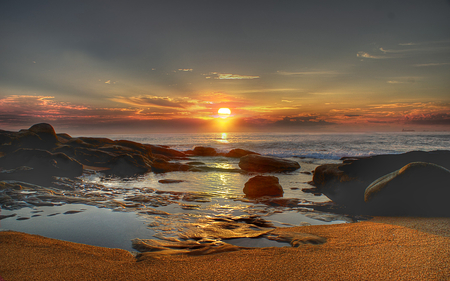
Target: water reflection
column 224, row 138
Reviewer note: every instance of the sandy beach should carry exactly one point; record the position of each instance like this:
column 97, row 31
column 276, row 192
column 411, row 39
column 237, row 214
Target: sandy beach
column 385, row 248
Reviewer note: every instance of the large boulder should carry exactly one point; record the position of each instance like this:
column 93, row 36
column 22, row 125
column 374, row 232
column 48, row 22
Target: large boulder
column 345, row 184
column 238, row 153
column 267, row 164
column 263, row 186
column 417, row 188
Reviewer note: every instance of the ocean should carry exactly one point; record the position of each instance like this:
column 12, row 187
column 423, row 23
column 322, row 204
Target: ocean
column 205, row 195
column 331, row 146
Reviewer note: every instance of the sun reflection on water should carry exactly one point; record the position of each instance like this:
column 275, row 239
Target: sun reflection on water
column 224, row 138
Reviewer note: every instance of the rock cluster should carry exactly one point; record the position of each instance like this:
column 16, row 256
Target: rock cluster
column 38, row 154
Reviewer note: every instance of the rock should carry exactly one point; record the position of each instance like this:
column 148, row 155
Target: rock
column 128, row 165
column 171, row 153
column 43, row 128
column 329, row 173
column 142, row 149
column 345, row 184
column 96, row 141
column 204, row 151
column 238, row 153
column 170, row 181
column 163, row 166
column 63, row 137
column 267, row 164
column 263, row 186
column 44, row 165
column 418, row 188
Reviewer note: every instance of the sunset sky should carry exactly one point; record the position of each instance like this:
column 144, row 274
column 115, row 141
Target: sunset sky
column 168, row 66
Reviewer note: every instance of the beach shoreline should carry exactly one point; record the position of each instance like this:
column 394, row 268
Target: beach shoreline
column 400, row 248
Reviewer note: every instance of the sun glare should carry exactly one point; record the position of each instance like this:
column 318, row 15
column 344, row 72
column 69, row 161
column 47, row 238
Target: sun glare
column 224, row 112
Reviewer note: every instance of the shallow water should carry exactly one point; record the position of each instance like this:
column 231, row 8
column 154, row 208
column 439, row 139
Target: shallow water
column 118, row 217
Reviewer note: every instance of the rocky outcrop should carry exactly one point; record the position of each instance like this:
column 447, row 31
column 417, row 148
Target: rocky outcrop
column 38, row 166
column 267, row 164
column 165, row 151
column 346, row 183
column 417, row 188
column 259, row 186
column 238, row 153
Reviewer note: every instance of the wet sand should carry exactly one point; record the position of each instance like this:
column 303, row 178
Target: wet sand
column 386, row 248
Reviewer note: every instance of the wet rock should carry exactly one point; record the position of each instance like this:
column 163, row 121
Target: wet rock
column 204, row 151
column 263, row 186
column 72, row 212
column 170, row 181
column 22, row 218
column 417, row 188
column 7, row 216
column 238, row 153
column 267, row 164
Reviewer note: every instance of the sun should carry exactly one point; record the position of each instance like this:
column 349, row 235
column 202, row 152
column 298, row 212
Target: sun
column 224, row 112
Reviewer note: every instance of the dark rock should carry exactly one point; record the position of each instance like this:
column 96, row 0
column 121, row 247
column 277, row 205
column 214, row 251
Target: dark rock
column 43, row 128
column 96, row 141
column 195, row 163
column 346, row 183
column 128, row 165
column 238, row 153
column 263, row 186
column 170, row 181
column 163, row 166
column 44, row 165
column 63, row 137
column 204, row 151
column 78, row 142
column 267, row 164
column 171, row 153
column 143, row 149
column 417, row 188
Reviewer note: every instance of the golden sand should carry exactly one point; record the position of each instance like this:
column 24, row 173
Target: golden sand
column 382, row 249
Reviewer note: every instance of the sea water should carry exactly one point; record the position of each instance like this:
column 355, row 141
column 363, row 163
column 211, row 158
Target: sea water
column 222, row 191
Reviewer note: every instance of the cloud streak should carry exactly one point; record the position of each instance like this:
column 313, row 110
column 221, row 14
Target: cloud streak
column 146, row 101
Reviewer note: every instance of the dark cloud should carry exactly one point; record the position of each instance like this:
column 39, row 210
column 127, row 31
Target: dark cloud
column 430, row 119
column 308, row 121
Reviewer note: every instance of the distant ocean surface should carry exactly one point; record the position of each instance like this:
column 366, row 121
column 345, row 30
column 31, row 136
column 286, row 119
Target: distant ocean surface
column 331, row 146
